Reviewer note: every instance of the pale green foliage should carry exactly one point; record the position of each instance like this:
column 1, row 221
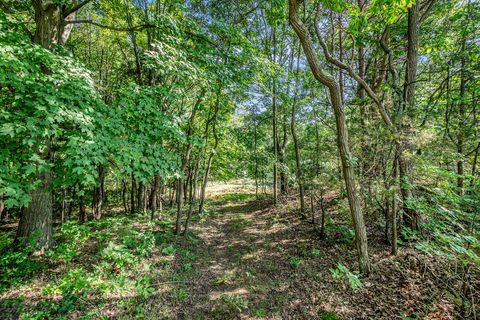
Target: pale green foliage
column 342, row 272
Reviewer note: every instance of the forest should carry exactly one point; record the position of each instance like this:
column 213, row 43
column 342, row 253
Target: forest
column 247, row 159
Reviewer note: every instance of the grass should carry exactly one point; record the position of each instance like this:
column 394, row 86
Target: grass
column 91, row 265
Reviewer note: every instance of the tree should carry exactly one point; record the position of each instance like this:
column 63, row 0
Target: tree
column 342, row 135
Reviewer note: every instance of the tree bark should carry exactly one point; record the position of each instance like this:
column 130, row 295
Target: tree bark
column 342, row 135
column 185, row 161
column 2, row 207
column 133, row 190
column 411, row 218
column 296, row 146
column 274, row 125
column 210, row 157
column 283, row 150
column 153, row 197
column 193, row 198
column 38, row 216
column 36, row 220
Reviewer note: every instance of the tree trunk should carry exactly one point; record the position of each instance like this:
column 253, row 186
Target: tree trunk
column 153, row 197
column 2, row 207
column 124, row 195
column 178, row 224
column 36, row 220
column 322, row 223
column 411, row 218
column 283, row 150
column 64, row 203
column 193, row 198
column 141, row 197
column 394, row 213
column 274, row 125
column 461, row 122
column 185, row 162
column 256, row 158
column 210, row 157
column 133, row 190
column 82, row 215
column 296, row 146
column 37, row 217
column 342, row 136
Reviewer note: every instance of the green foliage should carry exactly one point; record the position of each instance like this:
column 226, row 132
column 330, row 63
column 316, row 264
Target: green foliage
column 72, row 235
column 180, row 294
column 259, row 313
column 295, row 262
column 449, row 223
column 142, row 242
column 235, row 303
column 17, row 266
column 330, row 316
column 342, row 271
column 119, row 255
column 143, row 287
column 49, row 102
column 169, row 250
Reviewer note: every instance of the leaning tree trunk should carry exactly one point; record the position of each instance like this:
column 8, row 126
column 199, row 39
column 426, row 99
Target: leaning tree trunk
column 342, row 136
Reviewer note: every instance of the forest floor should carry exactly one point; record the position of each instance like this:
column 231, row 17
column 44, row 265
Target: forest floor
column 243, row 259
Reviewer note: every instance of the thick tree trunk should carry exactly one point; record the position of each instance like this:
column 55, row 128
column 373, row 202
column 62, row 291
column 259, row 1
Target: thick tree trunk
column 36, row 220
column 37, row 217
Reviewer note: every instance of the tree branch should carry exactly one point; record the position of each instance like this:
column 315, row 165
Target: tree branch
column 75, row 8
column 354, row 75
column 124, row 29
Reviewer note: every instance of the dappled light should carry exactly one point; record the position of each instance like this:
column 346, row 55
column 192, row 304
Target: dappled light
column 247, row 159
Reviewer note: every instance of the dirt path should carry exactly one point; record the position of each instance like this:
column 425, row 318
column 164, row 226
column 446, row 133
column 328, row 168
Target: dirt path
column 256, row 262
column 232, row 245
column 247, row 266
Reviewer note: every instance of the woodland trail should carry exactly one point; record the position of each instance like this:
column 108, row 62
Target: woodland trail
column 258, row 262
column 243, row 259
